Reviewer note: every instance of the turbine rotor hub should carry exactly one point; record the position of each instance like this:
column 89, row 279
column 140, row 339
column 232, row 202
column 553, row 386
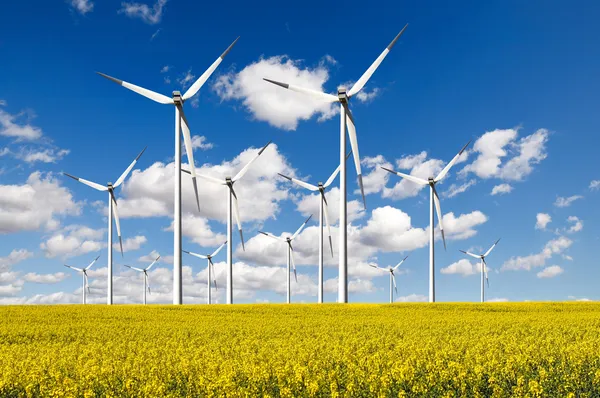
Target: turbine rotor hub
column 177, row 99
column 343, row 95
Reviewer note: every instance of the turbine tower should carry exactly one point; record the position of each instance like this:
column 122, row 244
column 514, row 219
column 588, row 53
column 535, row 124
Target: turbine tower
column 290, row 256
column 181, row 124
column 346, row 121
column 112, row 212
column 210, row 267
column 323, row 211
column 434, row 199
column 85, row 278
column 483, row 267
column 232, row 199
column 146, row 277
column 392, row 277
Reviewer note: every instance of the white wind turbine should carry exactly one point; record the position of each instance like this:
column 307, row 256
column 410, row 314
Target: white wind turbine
column 346, row 121
column 112, row 211
column 483, row 267
column 181, row 124
column 392, row 276
column 290, row 256
column 433, row 200
column 322, row 212
column 146, row 277
column 210, row 268
column 85, row 278
column 232, row 199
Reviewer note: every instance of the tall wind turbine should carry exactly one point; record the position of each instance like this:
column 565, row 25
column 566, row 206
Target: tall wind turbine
column 181, row 124
column 290, row 256
column 392, row 276
column 85, row 278
column 346, row 121
column 433, row 199
column 146, row 277
column 483, row 267
column 112, row 211
column 232, row 199
column 210, row 268
column 322, row 212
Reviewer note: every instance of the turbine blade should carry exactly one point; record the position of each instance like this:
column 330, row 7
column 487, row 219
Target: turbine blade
column 116, row 216
column 326, row 213
column 449, row 165
column 485, row 272
column 470, row 254
column 243, row 171
column 301, row 227
column 92, row 263
column 88, row 183
column 491, row 248
column 293, row 263
column 272, row 236
column 219, row 249
column 196, row 254
column 360, row 83
column 212, row 265
column 438, row 210
column 236, row 212
column 87, row 283
column 400, row 263
column 73, row 268
column 207, row 178
column 204, row 77
column 354, row 145
column 126, row 172
column 394, row 280
column 410, row 178
column 189, row 150
column 147, row 282
column 374, row 265
column 303, row 184
column 153, row 262
column 161, row 99
column 335, row 173
column 313, row 93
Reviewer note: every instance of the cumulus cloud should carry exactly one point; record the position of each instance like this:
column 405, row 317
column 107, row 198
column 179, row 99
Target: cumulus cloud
column 462, row 267
column 594, row 185
column 419, row 166
column 81, row 6
column 555, row 246
column 576, row 224
column 149, row 15
column 501, row 189
column 309, row 205
column 199, row 230
column 131, row 244
column 550, row 272
column 15, row 257
column 542, row 220
column 456, row 189
column 13, row 126
column 200, row 142
column 566, row 202
column 72, row 241
column 412, row 298
column 32, row 277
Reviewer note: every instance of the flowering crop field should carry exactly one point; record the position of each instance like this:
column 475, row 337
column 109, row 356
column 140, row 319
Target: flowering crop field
column 412, row 350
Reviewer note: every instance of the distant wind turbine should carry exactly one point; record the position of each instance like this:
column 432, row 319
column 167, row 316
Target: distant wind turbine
column 392, row 277
column 146, row 276
column 85, row 287
column 483, row 267
column 433, row 199
column 290, row 256
column 112, row 212
column 210, row 268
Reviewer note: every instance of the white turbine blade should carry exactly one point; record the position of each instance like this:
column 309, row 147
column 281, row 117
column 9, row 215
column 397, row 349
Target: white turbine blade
column 212, row 265
column 204, row 77
column 147, row 282
column 161, row 99
column 335, row 173
column 219, row 249
column 301, row 227
column 88, row 183
column 394, row 280
column 360, row 83
column 354, row 145
column 87, row 283
column 243, row 171
column 326, row 213
column 92, row 263
column 272, row 236
column 313, row 93
column 400, row 263
column 485, row 272
column 438, row 210
column 449, row 165
column 73, row 268
column 236, row 212
column 189, row 150
column 491, row 248
column 374, row 265
column 303, row 184
column 207, row 178
column 293, row 263
column 470, row 254
column 126, row 172
column 196, row 254
column 133, row 268
column 410, row 178
column 116, row 216
column 153, row 262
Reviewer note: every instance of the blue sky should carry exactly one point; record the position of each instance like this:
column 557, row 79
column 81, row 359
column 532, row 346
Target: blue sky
column 518, row 79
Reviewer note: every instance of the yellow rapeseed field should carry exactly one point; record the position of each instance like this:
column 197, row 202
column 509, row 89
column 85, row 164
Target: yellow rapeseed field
column 402, row 350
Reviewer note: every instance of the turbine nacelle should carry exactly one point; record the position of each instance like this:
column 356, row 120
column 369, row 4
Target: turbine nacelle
column 177, row 98
column 431, row 181
column 343, row 95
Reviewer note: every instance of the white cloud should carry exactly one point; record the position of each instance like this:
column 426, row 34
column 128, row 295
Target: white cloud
column 501, row 189
column 149, row 15
column 462, row 267
column 594, row 185
column 186, row 79
column 82, row 6
column 367, row 96
column 566, row 202
column 491, row 149
column 267, row 102
column 497, row 300
column 165, row 69
column 199, row 230
column 542, row 220
column 578, row 298
column 576, row 224
column 375, row 178
column 550, row 272
column 419, row 166
column 45, row 278
column 309, row 204
column 199, row 142
column 15, row 257
column 456, row 189
column 412, row 298
column 531, row 150
column 35, row 204
column 10, row 127
column 131, row 244
column 49, row 155
column 555, row 246
column 73, row 241
column 155, row 34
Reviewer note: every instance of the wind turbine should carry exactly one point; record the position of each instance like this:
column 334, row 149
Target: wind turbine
column 210, row 267
column 346, row 121
column 322, row 212
column 290, row 255
column 112, row 211
column 232, row 199
column 392, row 276
column 433, row 199
column 181, row 124
column 483, row 267
column 146, row 277
column 85, row 277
